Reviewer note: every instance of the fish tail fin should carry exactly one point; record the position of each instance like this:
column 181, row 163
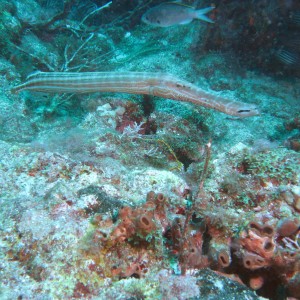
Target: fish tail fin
column 200, row 14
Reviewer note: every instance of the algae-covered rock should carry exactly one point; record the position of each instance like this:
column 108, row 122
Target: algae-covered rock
column 10, row 27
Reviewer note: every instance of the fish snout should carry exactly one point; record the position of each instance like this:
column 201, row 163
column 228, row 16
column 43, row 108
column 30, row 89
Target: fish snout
column 248, row 111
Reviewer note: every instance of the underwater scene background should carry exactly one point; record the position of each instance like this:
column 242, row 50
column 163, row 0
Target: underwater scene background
column 171, row 170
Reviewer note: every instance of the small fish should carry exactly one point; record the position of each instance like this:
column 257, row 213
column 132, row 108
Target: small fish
column 287, row 57
column 174, row 13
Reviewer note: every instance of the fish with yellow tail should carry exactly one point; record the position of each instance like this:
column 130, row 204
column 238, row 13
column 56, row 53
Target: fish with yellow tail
column 174, row 13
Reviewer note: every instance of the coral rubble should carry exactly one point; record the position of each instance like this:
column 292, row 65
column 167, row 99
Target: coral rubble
column 117, row 196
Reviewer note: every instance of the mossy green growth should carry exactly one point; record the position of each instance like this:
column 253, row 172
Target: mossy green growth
column 245, row 199
column 280, row 164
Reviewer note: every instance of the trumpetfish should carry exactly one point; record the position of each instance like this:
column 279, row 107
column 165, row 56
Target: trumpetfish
column 162, row 85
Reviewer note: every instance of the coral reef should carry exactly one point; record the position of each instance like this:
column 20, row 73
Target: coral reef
column 260, row 34
column 258, row 251
column 117, row 196
column 265, row 251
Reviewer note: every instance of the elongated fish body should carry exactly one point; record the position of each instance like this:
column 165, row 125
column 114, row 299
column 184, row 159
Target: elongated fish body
column 172, row 13
column 156, row 84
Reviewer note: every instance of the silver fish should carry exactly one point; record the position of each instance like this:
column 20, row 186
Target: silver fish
column 173, row 13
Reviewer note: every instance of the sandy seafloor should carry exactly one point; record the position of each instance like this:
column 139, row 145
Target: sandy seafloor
column 63, row 165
